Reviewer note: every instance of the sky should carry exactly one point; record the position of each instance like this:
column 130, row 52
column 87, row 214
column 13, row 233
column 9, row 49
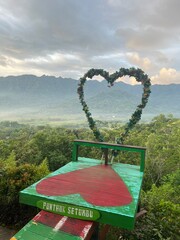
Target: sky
column 68, row 37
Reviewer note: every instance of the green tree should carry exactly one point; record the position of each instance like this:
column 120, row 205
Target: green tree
column 12, row 180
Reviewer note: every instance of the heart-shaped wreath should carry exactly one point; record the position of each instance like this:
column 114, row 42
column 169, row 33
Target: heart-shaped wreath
column 139, row 75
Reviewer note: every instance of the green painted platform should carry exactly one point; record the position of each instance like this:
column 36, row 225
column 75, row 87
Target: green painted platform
column 51, row 226
column 86, row 189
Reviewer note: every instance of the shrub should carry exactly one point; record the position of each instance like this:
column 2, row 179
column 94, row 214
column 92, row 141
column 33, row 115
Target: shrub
column 13, row 179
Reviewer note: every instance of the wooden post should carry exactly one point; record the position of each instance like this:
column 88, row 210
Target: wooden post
column 103, row 232
column 75, row 152
column 106, row 156
column 142, row 164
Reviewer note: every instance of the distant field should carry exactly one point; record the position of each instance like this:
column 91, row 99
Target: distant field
column 72, row 121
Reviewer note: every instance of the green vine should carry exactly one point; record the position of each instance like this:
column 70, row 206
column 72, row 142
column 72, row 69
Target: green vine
column 138, row 74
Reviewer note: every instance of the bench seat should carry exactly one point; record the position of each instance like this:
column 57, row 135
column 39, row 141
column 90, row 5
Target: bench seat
column 51, row 226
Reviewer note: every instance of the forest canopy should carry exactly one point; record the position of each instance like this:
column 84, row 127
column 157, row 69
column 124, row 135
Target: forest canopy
column 28, row 153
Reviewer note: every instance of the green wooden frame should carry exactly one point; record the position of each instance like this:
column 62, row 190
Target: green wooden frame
column 132, row 176
column 106, row 146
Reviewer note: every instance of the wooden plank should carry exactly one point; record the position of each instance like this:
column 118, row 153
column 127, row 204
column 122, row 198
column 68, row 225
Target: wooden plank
column 106, row 194
column 52, row 226
column 109, row 145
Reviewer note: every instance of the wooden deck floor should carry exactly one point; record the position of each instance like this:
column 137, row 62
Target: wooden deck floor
column 88, row 190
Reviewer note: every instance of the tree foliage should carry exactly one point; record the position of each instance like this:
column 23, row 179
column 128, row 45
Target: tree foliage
column 13, row 179
column 28, row 153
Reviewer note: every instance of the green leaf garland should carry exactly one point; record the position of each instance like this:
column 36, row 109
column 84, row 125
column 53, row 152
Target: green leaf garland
column 138, row 74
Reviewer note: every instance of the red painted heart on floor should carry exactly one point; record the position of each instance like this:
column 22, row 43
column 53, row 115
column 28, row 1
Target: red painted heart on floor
column 99, row 185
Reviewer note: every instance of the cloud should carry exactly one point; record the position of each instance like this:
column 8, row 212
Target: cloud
column 135, row 59
column 166, row 76
column 67, row 37
column 145, row 38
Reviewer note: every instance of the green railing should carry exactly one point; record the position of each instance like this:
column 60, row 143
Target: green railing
column 105, row 146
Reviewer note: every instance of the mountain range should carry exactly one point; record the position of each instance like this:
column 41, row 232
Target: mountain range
column 32, row 97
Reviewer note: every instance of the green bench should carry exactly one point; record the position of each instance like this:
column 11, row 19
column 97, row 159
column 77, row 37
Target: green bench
column 51, row 226
column 83, row 193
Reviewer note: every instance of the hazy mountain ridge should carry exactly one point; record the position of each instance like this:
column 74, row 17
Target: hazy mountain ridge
column 28, row 96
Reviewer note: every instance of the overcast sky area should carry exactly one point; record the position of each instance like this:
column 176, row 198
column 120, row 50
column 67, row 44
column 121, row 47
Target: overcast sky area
column 68, row 37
